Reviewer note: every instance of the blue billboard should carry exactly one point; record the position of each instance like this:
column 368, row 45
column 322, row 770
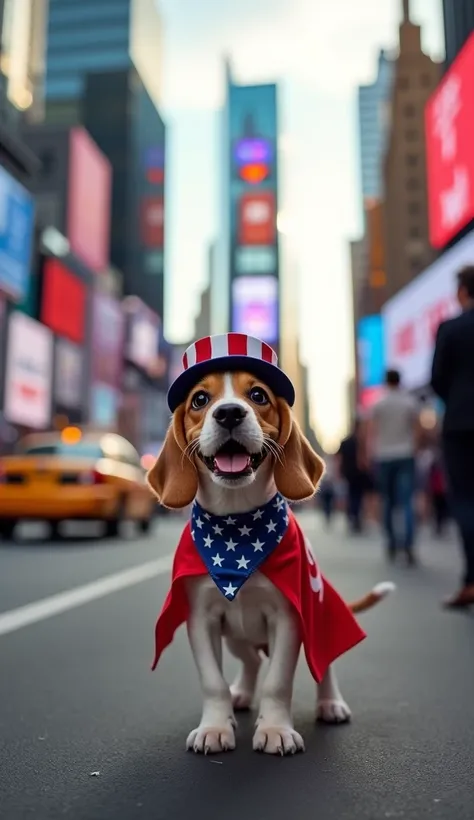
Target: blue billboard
column 17, row 213
column 370, row 351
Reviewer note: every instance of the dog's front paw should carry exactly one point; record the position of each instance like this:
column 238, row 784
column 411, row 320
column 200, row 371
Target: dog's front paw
column 277, row 740
column 333, row 711
column 211, row 739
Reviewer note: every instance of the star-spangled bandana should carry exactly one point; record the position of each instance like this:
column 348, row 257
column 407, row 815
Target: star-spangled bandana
column 233, row 547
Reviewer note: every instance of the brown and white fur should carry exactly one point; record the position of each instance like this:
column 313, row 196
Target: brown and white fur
column 260, row 615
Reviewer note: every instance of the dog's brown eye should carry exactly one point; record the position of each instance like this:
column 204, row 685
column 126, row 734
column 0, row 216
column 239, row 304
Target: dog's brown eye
column 258, row 396
column 200, row 400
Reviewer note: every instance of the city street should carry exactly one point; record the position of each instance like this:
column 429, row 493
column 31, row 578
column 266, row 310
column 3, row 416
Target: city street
column 88, row 732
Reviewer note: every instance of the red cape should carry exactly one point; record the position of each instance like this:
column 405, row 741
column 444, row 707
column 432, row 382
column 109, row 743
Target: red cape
column 328, row 627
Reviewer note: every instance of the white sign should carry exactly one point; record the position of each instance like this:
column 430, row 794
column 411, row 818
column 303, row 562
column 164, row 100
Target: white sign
column 28, row 372
column 411, row 318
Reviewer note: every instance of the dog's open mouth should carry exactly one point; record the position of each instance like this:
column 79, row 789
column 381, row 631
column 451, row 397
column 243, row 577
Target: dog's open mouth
column 233, row 461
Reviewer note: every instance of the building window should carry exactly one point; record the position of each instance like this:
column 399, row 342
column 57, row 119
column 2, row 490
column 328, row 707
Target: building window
column 413, row 208
column 415, row 264
column 414, row 232
column 411, row 135
column 404, row 83
column 412, row 160
column 426, row 80
column 409, row 110
column 413, row 184
column 48, row 162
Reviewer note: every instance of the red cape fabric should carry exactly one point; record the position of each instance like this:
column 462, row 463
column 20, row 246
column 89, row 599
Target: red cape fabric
column 328, row 627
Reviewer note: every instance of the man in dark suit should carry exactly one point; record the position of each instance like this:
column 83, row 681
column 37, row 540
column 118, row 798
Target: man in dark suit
column 453, row 381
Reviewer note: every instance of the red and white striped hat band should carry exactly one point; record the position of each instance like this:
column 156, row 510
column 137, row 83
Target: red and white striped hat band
column 230, row 352
column 228, row 344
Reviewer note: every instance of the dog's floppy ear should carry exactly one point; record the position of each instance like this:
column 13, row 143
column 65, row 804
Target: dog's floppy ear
column 173, row 477
column 300, row 470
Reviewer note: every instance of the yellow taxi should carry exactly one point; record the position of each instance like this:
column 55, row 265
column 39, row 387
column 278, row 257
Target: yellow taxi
column 74, row 474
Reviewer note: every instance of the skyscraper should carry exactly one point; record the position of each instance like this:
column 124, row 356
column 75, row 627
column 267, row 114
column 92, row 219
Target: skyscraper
column 99, row 35
column 458, row 16
column 374, row 120
column 407, row 245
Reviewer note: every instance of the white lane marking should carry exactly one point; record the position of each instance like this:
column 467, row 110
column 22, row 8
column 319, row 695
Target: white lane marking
column 62, row 601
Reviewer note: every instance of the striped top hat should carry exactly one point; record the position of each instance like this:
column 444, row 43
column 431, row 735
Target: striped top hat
column 225, row 353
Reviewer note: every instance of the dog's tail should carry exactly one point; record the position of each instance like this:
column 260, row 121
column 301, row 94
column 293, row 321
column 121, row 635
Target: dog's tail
column 377, row 594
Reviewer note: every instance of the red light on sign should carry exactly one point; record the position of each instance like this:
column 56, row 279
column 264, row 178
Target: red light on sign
column 254, row 173
column 257, row 219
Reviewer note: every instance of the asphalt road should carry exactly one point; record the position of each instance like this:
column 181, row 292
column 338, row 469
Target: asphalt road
column 77, row 697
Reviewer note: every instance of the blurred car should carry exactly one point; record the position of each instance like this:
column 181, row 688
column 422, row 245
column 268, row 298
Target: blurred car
column 54, row 477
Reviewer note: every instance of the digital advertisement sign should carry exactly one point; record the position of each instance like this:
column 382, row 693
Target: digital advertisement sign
column 255, row 307
column 17, row 213
column 449, row 125
column 108, row 328
column 63, row 303
column 152, row 221
column 412, row 317
column 68, row 374
column 89, row 201
column 257, row 219
column 143, row 327
column 28, row 372
column 370, row 351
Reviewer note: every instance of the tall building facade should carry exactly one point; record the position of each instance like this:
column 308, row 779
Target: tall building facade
column 458, row 16
column 246, row 297
column 407, row 245
column 374, row 120
column 97, row 36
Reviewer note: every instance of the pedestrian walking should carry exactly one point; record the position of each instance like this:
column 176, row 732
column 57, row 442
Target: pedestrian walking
column 352, row 469
column 327, row 492
column 452, row 380
column 392, row 438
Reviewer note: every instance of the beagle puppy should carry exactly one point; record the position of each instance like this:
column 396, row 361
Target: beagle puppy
column 243, row 570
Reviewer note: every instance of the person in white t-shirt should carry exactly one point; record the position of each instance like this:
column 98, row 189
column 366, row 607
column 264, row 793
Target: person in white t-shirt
column 393, row 433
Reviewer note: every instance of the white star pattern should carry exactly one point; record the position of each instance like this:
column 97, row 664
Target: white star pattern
column 256, row 535
column 245, row 530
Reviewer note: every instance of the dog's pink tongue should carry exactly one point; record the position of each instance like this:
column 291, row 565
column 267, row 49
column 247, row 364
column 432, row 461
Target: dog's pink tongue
column 232, row 464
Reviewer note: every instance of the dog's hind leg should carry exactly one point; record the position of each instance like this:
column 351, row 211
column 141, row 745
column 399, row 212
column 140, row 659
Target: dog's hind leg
column 245, row 683
column 215, row 732
column 331, row 706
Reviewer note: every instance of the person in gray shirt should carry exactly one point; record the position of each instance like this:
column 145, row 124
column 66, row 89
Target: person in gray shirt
column 393, row 431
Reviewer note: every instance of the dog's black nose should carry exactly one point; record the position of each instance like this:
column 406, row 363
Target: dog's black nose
column 229, row 415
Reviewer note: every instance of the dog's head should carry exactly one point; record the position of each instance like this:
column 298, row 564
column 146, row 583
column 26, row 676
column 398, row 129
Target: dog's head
column 232, row 430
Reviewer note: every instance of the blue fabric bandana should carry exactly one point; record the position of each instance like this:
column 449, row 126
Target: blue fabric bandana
column 234, row 546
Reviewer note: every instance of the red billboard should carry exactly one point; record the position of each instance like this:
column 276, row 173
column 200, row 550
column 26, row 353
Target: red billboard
column 257, row 219
column 449, row 123
column 89, row 201
column 152, row 221
column 63, row 303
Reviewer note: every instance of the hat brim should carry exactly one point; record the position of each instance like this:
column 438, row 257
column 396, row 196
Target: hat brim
column 269, row 373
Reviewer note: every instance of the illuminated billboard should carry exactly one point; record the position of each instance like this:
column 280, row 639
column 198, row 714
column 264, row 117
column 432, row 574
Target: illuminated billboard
column 89, row 200
column 257, row 219
column 255, row 307
column 449, row 126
